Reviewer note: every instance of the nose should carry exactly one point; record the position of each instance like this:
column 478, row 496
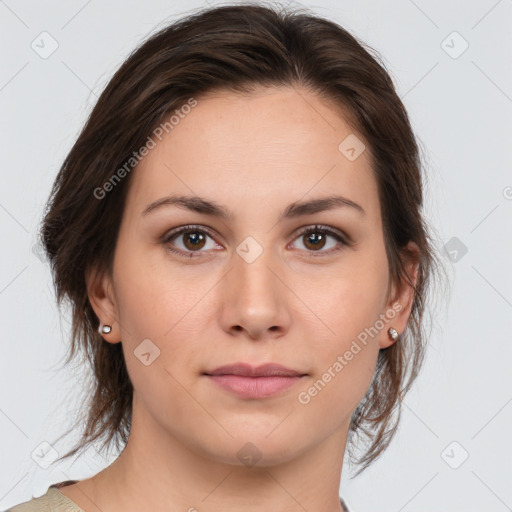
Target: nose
column 254, row 297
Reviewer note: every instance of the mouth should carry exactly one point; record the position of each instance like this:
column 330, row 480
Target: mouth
column 250, row 382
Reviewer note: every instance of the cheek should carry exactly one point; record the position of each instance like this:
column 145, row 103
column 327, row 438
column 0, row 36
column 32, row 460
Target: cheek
column 350, row 307
column 345, row 358
column 153, row 300
column 349, row 300
column 167, row 308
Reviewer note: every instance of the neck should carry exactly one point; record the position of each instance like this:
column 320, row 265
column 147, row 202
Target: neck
column 157, row 472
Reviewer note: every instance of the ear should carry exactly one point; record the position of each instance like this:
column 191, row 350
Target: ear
column 101, row 297
column 401, row 296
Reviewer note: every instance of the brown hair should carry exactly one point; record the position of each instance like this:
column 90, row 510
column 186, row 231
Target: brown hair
column 233, row 48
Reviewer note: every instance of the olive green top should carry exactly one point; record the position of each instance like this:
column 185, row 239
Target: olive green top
column 52, row 501
column 55, row 501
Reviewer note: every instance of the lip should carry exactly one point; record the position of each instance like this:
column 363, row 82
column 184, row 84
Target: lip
column 247, row 370
column 247, row 381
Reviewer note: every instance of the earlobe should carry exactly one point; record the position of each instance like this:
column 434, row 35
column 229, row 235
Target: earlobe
column 403, row 295
column 101, row 297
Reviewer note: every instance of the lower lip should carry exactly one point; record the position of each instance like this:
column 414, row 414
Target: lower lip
column 254, row 387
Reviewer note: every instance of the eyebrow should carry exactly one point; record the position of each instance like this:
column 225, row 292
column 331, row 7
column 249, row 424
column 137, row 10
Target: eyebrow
column 293, row 210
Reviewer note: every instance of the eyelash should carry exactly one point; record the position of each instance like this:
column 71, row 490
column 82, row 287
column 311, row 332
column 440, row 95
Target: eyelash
column 310, row 229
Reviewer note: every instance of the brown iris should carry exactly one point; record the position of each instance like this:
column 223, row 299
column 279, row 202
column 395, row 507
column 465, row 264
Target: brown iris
column 317, row 240
column 197, row 240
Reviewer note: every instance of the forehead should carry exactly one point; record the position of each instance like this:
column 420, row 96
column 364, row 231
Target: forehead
column 264, row 147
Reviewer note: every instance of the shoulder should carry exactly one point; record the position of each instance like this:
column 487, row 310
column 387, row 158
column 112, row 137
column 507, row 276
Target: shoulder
column 52, row 501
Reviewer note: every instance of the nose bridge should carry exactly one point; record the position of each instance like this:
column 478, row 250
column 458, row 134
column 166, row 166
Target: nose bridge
column 254, row 297
column 252, row 273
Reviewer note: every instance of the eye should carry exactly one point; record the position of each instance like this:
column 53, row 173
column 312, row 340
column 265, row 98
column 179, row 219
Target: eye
column 317, row 239
column 193, row 239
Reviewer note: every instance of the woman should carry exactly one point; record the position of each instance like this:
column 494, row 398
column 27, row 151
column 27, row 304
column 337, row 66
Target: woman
column 238, row 229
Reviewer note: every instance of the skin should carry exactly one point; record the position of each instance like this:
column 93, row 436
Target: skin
column 254, row 154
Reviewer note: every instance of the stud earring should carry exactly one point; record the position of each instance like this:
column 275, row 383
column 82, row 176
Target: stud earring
column 393, row 333
column 104, row 329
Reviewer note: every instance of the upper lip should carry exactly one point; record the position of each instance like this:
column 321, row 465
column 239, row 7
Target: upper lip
column 247, row 370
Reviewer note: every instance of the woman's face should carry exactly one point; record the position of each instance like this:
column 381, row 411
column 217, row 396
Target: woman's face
column 251, row 287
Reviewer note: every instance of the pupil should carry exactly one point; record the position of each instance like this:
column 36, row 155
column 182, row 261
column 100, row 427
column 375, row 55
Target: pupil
column 315, row 240
column 315, row 236
column 195, row 238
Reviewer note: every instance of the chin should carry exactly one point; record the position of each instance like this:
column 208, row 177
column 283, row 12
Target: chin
column 255, row 448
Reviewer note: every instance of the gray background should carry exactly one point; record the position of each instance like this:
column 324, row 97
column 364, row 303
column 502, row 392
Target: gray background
column 460, row 104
